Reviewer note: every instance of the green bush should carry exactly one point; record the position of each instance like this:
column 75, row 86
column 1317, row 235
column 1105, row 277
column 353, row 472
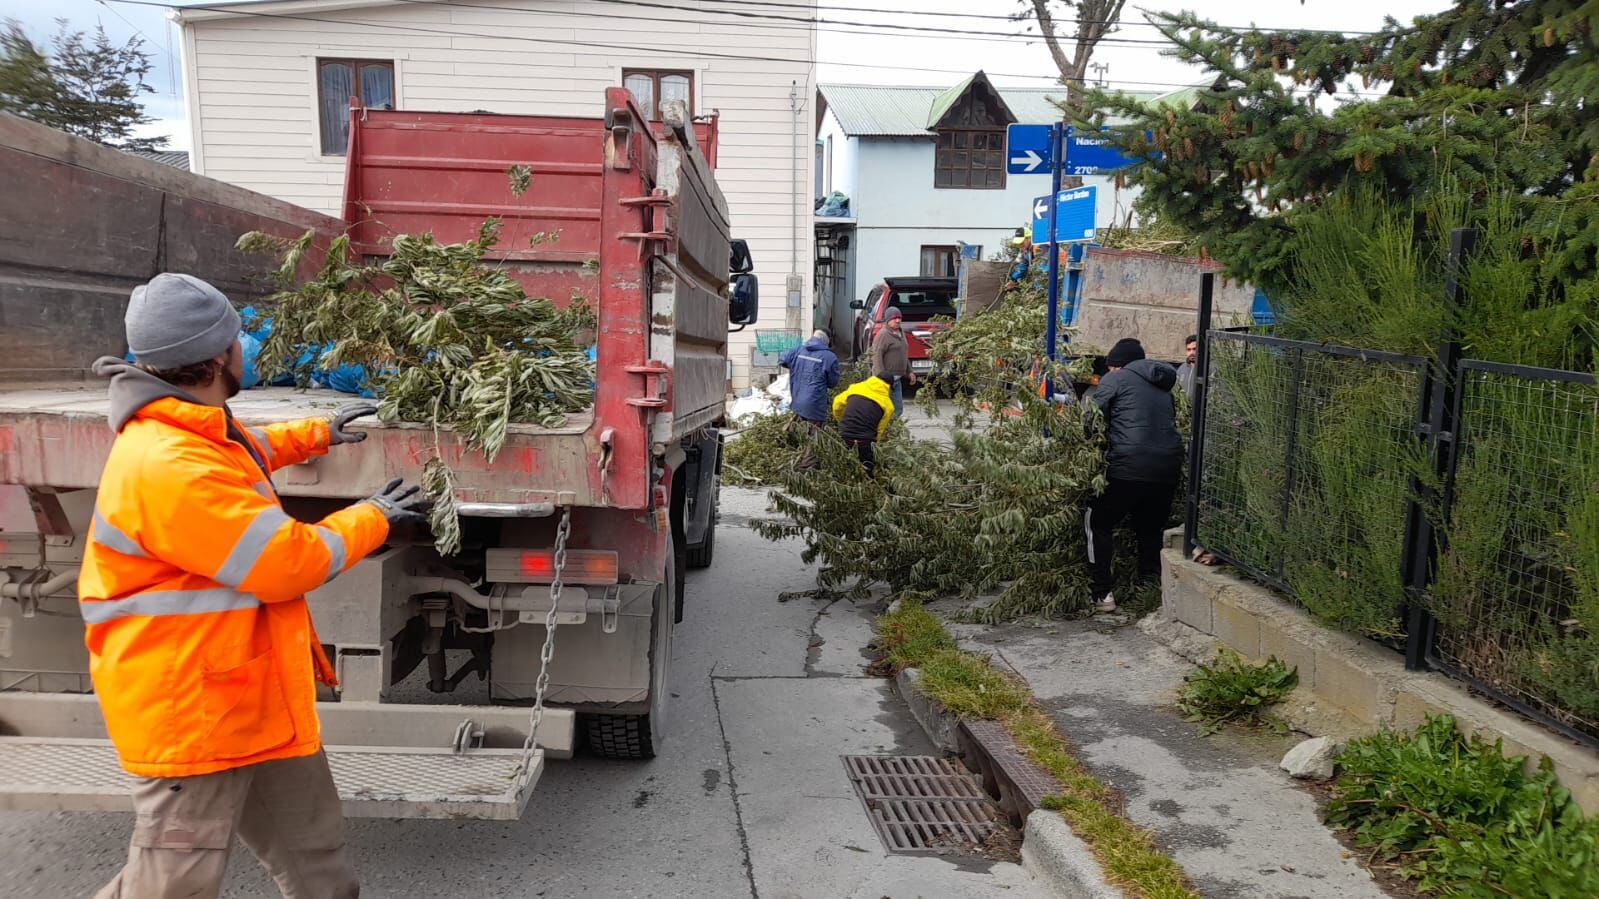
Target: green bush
column 1460, row 819
column 1230, row 689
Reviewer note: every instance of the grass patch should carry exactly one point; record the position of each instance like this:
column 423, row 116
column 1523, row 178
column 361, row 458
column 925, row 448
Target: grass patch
column 1231, row 689
column 967, row 684
column 1458, row 818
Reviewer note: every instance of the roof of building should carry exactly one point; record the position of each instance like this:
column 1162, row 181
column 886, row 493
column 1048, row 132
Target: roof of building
column 871, row 110
column 178, row 159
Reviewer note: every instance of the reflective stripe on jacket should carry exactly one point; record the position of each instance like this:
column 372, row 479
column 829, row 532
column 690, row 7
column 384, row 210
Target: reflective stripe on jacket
column 192, row 589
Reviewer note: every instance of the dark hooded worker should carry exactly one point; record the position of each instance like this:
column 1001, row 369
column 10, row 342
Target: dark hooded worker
column 192, row 591
column 1144, row 461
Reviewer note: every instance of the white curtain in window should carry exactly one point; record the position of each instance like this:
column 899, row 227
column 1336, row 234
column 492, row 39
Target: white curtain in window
column 377, row 86
column 675, row 87
column 336, row 87
column 642, row 87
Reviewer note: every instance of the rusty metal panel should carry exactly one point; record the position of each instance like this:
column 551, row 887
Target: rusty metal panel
column 89, row 223
column 1153, row 297
column 689, row 317
column 981, row 284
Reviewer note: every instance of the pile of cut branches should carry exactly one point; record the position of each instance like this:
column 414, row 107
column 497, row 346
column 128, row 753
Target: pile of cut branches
column 999, row 512
column 441, row 338
column 769, row 447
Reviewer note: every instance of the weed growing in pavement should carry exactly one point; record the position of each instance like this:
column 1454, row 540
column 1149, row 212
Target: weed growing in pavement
column 1460, row 819
column 1230, row 689
column 968, row 684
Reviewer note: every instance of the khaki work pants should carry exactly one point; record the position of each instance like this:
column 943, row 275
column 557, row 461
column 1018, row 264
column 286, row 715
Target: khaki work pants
column 286, row 811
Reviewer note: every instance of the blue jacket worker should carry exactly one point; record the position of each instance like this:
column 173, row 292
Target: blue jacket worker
column 812, row 375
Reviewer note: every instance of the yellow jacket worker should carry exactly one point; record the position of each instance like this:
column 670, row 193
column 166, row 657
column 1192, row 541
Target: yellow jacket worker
column 863, row 412
column 192, row 590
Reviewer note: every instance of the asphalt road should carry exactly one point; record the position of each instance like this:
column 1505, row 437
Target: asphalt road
column 749, row 797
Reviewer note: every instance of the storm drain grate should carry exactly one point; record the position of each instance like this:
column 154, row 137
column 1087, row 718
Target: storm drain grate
column 922, row 803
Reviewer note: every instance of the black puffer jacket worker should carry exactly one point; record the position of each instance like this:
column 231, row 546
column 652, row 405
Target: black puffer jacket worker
column 1141, row 422
column 1144, row 461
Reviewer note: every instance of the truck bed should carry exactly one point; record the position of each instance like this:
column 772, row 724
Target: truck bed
column 37, row 424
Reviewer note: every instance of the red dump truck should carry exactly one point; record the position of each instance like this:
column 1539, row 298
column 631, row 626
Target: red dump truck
column 438, row 657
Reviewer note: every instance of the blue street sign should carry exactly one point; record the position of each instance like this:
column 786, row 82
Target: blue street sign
column 1092, row 155
column 1027, row 149
column 1074, row 216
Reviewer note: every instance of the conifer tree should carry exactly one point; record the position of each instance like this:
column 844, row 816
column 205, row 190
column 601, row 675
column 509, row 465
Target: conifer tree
column 1489, row 97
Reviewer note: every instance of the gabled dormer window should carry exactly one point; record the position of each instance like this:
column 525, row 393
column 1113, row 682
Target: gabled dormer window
column 968, row 122
column 970, row 159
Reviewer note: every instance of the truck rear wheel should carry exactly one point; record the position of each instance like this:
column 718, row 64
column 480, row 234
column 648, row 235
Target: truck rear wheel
column 640, row 736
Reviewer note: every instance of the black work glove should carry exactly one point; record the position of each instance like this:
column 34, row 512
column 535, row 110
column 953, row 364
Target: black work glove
column 337, row 434
column 400, row 502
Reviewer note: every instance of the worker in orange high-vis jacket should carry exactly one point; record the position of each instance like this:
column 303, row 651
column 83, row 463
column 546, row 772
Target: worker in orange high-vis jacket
column 192, row 591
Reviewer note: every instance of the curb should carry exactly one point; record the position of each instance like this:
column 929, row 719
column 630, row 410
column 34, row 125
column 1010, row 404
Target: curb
column 1051, row 852
column 935, row 720
column 1055, row 855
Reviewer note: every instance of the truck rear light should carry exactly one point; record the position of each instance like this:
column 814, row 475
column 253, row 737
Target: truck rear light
column 583, row 566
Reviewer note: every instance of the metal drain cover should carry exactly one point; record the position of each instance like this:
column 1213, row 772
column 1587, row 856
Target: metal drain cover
column 923, row 803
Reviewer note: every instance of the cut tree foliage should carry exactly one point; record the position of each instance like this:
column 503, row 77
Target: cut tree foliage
column 440, row 337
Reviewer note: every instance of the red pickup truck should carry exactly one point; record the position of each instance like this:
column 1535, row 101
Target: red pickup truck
column 920, row 301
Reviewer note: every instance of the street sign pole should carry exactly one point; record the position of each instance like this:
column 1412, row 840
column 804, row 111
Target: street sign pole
column 1057, row 152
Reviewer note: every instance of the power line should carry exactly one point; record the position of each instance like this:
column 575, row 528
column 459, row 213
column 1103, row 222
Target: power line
column 1007, row 18
column 675, row 51
column 147, row 39
column 878, row 29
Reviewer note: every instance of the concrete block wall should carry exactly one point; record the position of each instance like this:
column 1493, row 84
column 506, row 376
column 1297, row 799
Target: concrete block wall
column 1349, row 686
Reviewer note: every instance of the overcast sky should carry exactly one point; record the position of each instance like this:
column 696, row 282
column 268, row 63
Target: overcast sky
column 882, row 56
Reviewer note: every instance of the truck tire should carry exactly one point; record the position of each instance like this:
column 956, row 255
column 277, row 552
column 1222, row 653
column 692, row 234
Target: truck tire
column 639, row 737
column 621, row 736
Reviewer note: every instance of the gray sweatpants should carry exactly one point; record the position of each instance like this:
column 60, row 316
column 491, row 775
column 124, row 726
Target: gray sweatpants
column 286, row 811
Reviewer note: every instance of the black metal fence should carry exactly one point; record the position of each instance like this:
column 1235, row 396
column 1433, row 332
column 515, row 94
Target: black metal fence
column 1314, row 464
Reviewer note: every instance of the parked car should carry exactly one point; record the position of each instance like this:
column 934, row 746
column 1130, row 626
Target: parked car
column 920, row 301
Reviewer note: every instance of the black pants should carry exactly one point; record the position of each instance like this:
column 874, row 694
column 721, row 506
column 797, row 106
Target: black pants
column 1149, row 505
column 863, row 451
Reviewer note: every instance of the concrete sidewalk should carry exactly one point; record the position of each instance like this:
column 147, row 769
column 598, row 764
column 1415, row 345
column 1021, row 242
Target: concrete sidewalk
column 1219, row 804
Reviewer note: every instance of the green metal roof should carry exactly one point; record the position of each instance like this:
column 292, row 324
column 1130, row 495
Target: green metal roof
column 870, row 110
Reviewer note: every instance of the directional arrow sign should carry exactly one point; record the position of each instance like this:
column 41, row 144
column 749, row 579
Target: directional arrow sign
column 1074, row 216
column 1027, row 149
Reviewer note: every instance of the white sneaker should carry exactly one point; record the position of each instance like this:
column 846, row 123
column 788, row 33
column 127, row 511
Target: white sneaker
column 1108, row 604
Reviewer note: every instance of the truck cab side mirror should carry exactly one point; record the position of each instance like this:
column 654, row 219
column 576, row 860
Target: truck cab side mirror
column 744, row 299
column 741, row 262
column 857, row 304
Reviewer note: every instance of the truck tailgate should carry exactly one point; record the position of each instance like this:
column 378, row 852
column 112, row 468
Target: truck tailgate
column 57, row 437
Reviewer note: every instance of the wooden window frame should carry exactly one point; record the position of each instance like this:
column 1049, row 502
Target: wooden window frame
column 656, row 75
column 952, row 251
column 945, row 160
column 355, row 64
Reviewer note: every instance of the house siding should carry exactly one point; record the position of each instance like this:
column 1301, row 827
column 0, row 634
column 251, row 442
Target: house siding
column 901, row 211
column 253, row 100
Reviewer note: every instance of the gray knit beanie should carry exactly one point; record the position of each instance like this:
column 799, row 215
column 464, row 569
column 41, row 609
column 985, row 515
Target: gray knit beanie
column 177, row 320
